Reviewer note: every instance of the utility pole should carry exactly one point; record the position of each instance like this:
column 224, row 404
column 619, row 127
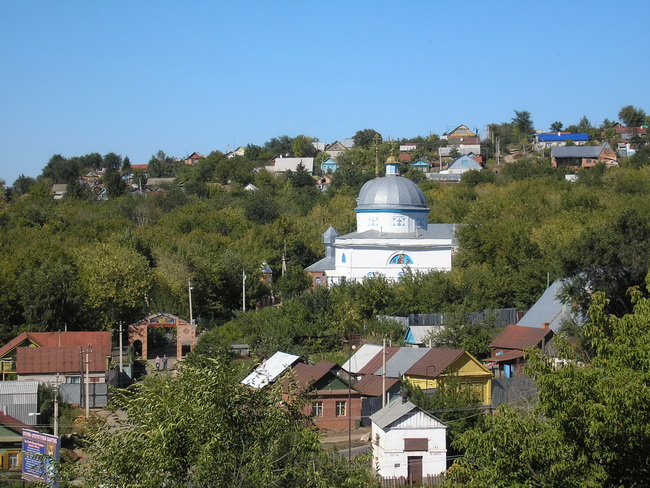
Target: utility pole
column 121, row 356
column 189, row 289
column 243, row 290
column 376, row 138
column 383, row 377
column 90, row 348
column 56, row 406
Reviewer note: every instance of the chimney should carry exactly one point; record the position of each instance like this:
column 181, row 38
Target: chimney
column 405, row 395
column 546, row 325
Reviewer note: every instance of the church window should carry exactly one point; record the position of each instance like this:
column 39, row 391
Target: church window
column 373, row 221
column 399, row 221
column 371, row 274
column 343, row 258
column 401, row 258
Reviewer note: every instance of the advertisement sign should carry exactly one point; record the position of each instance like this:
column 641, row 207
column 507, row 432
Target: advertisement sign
column 40, row 453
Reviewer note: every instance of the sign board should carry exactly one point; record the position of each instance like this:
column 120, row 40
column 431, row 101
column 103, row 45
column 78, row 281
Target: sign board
column 40, row 454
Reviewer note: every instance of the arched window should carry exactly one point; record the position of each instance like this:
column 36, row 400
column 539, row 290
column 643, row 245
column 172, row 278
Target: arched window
column 343, row 258
column 401, row 258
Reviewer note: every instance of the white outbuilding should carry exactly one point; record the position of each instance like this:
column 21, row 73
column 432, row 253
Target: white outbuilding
column 407, row 442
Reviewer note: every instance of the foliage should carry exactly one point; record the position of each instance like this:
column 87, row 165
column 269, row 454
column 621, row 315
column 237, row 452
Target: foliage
column 201, row 428
column 366, row 138
column 590, row 426
column 632, row 116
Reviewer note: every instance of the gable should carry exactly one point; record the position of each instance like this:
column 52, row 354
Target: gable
column 460, row 131
column 468, row 365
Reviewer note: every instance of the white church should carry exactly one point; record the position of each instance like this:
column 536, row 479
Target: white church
column 393, row 235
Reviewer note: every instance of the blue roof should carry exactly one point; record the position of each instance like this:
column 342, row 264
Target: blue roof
column 555, row 137
column 420, row 163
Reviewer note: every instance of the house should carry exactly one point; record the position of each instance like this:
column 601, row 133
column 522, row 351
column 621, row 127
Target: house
column 583, row 156
column 11, row 442
column 281, row 165
column 408, row 147
column 59, row 190
column 240, row 151
column 407, row 442
column 193, row 158
column 270, row 370
column 424, row 367
column 439, row 365
column 335, row 149
column 546, row 140
column 329, row 166
column 36, row 355
column 334, row 403
column 421, row 165
column 462, row 165
column 461, row 136
column 507, row 349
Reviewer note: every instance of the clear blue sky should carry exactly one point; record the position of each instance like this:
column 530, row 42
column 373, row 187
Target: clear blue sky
column 134, row 77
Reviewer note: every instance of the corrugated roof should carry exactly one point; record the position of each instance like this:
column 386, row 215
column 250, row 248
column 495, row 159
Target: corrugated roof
column 549, row 309
column 308, row 374
column 18, row 388
column 418, row 334
column 378, row 360
column 268, row 371
column 578, row 151
column 433, row 231
column 68, row 359
column 520, row 337
column 402, row 361
column 324, row 264
column 395, row 410
column 555, row 137
column 465, row 163
column 13, row 423
column 372, row 386
column 54, row 339
column 360, row 358
column 434, row 362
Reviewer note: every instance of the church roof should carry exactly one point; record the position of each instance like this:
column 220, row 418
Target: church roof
column 324, row 264
column 434, row 231
column 391, row 193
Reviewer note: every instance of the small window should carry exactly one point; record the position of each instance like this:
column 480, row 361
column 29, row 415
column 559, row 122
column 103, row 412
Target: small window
column 343, row 258
column 317, row 409
column 340, row 409
column 13, row 460
column 416, row 444
column 401, row 259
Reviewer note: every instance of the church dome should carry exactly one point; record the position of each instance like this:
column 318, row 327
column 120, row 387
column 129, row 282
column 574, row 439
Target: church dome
column 391, row 193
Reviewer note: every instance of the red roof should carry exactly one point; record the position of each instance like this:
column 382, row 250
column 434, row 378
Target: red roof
column 520, row 337
column 642, row 131
column 140, row 166
column 65, row 359
column 56, row 339
column 434, row 362
column 376, row 363
column 308, row 374
column 372, row 386
column 13, row 423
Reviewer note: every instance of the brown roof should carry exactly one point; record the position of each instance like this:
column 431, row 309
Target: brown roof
column 504, row 356
column 65, row 359
column 13, row 423
column 55, row 339
column 308, row 374
column 520, row 337
column 372, row 386
column 375, row 363
column 434, row 362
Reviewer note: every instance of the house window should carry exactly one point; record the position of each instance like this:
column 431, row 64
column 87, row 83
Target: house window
column 340, row 409
column 13, row 460
column 73, row 379
column 416, row 444
column 317, row 409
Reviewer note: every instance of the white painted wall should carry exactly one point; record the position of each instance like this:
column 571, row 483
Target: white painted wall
column 389, row 457
column 392, row 221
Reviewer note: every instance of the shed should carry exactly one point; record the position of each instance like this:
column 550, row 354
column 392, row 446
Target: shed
column 267, row 372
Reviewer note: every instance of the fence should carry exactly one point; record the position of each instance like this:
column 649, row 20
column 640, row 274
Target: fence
column 72, row 393
column 513, row 390
column 429, row 480
column 501, row 317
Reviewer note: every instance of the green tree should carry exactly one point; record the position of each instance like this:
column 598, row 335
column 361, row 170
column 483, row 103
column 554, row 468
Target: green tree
column 556, row 126
column 201, row 428
column 366, row 138
column 631, row 116
column 163, row 166
column 112, row 161
column 301, row 146
column 115, row 185
column 590, row 425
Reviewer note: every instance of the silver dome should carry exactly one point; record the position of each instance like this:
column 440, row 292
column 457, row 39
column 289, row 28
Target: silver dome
column 391, row 192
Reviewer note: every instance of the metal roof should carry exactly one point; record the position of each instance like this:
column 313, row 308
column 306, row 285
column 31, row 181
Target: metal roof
column 578, row 151
column 50, row 360
column 520, row 337
column 392, row 193
column 268, row 371
column 418, row 334
column 555, row 137
column 434, row 362
column 549, row 309
column 402, row 361
column 465, row 162
column 433, row 231
column 373, row 386
column 397, row 409
column 360, row 358
column 322, row 265
column 18, row 388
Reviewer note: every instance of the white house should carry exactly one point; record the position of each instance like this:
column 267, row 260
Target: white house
column 393, row 235
column 291, row 164
column 407, row 442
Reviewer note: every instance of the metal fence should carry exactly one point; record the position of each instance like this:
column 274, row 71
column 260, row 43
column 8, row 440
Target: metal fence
column 513, row 390
column 499, row 317
column 75, row 393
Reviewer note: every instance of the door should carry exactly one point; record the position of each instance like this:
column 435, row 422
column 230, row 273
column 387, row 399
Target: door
column 415, row 470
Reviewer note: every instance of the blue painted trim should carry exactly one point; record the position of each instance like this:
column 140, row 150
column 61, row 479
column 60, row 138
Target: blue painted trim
column 391, row 210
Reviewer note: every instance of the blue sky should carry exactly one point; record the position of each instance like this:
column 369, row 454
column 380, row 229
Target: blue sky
column 134, row 77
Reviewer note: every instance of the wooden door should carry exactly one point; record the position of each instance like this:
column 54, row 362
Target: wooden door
column 415, row 470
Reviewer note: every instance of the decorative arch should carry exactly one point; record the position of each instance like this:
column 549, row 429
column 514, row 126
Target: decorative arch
column 185, row 332
column 401, row 258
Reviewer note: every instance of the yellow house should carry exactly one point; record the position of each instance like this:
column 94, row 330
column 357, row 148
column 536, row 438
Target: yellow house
column 438, row 364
